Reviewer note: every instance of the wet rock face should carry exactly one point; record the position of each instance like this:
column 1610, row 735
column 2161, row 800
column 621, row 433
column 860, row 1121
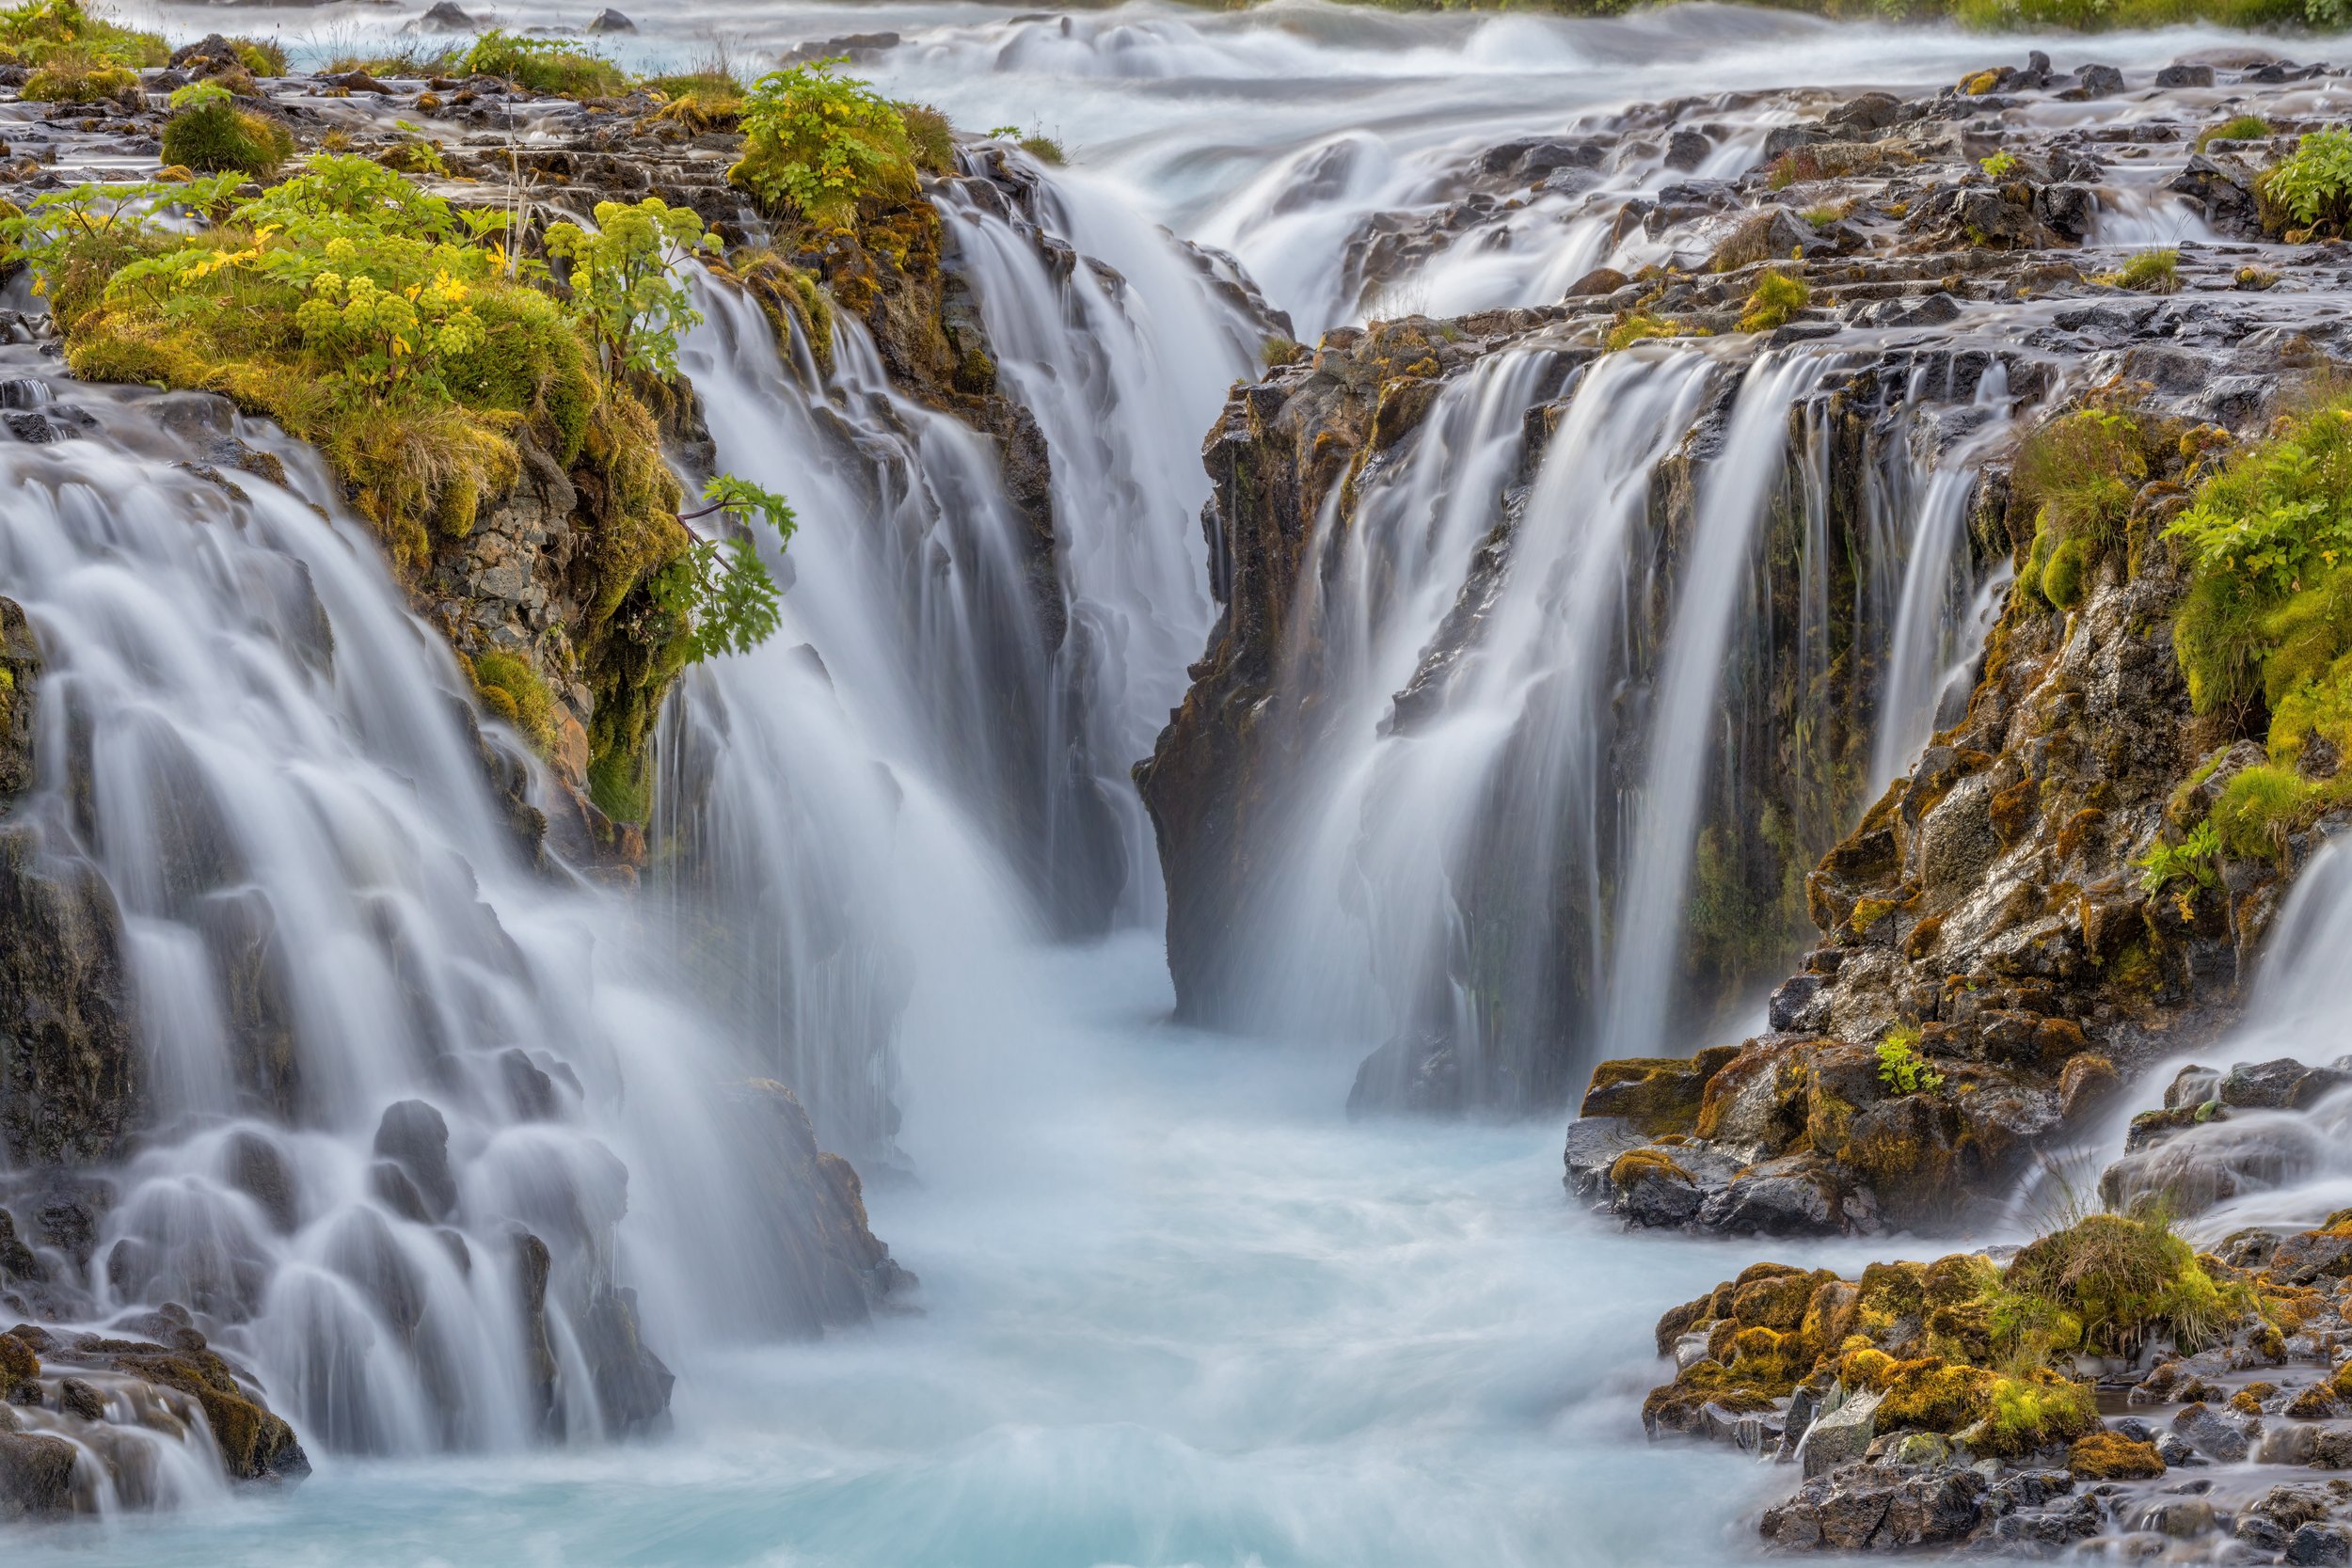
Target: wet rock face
column 70, row 1064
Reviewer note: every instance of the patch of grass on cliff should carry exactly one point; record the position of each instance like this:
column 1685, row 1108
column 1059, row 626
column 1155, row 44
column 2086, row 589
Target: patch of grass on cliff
column 429, row 366
column 78, row 78
column 699, row 100
column 2239, row 127
column 2265, row 631
column 548, row 66
column 2079, row 475
column 1779, row 296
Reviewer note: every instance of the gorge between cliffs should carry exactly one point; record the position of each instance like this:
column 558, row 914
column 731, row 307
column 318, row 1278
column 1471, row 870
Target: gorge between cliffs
column 1295, row 786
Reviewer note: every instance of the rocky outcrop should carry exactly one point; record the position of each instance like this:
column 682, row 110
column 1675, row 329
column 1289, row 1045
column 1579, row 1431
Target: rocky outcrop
column 2023, row 1400
column 79, row 1405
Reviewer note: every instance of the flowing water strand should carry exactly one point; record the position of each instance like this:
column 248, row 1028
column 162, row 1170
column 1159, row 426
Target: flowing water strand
column 1740, row 480
column 1933, row 627
column 1379, row 586
column 1483, row 824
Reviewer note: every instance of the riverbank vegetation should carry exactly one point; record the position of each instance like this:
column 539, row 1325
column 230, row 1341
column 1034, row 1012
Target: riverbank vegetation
column 432, row 365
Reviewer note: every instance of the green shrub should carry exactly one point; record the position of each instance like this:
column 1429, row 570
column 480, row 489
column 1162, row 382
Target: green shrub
column 2311, row 186
column 2000, row 165
column 547, row 66
column 817, row 145
column 1778, row 297
column 624, row 281
column 1045, row 149
column 207, row 131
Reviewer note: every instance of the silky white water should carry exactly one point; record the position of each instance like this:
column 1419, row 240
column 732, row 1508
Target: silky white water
column 1176, row 1308
column 1179, row 1310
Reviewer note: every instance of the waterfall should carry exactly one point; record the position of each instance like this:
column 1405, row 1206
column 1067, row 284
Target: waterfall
column 408, row 1142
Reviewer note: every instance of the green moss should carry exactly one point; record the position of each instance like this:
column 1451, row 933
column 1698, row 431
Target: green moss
column 2319, row 710
column 1045, row 149
column 2061, row 579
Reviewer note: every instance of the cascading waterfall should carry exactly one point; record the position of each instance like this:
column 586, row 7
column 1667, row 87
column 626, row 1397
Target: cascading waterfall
column 1522, row 704
column 906, row 802
column 407, row 1142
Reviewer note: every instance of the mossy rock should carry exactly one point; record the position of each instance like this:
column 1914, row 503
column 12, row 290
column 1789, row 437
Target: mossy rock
column 1658, row 1094
column 18, row 1364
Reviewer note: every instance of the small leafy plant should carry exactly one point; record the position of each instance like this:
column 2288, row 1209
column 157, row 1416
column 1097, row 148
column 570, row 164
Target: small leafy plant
column 2309, row 186
column 2189, row 863
column 1900, row 1066
column 2000, row 165
column 720, row 588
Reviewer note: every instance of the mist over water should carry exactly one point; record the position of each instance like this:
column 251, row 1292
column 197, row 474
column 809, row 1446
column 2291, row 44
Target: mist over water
column 1177, row 1308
